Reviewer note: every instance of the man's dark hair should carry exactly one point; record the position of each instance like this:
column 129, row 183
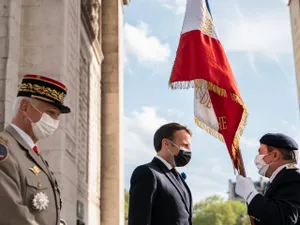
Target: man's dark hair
column 286, row 154
column 167, row 131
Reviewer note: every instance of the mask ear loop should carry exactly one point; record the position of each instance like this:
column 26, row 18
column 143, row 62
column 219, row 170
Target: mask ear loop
column 30, row 119
column 267, row 155
column 174, row 144
column 170, row 152
column 36, row 109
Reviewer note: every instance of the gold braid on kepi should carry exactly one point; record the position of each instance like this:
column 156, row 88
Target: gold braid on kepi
column 44, row 89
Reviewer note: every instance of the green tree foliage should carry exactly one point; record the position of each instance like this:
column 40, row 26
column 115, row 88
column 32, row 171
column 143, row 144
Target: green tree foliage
column 126, row 204
column 216, row 211
column 213, row 211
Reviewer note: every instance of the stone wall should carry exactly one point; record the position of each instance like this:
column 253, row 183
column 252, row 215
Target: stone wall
column 68, row 47
column 91, row 57
column 10, row 22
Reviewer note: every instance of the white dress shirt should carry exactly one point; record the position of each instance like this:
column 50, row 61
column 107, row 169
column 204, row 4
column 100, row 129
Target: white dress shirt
column 25, row 136
column 164, row 162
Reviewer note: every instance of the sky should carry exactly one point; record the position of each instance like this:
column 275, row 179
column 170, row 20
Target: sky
column 256, row 36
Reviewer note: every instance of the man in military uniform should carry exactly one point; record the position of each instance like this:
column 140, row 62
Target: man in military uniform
column 280, row 205
column 29, row 193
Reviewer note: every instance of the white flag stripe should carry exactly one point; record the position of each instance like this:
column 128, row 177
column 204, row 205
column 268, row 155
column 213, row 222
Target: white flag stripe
column 203, row 108
column 197, row 17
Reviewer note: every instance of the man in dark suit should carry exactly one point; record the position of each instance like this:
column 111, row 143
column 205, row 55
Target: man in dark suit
column 158, row 193
column 280, row 205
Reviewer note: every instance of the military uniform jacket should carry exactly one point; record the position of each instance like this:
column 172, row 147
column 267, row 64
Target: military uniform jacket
column 157, row 197
column 281, row 203
column 25, row 178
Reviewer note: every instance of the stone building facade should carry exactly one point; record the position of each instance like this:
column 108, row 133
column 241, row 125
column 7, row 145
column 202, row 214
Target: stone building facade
column 78, row 42
column 294, row 6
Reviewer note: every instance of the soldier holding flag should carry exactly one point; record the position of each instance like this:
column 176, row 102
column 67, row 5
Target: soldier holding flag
column 201, row 63
column 280, row 205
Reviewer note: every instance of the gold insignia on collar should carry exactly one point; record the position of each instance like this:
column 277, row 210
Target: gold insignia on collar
column 35, row 170
column 290, row 167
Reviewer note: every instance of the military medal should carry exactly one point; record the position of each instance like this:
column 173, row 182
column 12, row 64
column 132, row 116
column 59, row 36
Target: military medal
column 35, row 170
column 40, row 201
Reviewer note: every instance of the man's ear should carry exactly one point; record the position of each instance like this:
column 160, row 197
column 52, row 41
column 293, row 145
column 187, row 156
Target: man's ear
column 277, row 154
column 24, row 104
column 165, row 143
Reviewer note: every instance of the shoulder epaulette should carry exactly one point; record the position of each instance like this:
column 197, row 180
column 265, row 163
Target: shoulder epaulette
column 291, row 167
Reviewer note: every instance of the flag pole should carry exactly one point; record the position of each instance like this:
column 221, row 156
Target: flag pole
column 242, row 172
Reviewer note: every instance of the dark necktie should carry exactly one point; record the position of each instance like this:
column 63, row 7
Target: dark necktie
column 175, row 174
column 182, row 186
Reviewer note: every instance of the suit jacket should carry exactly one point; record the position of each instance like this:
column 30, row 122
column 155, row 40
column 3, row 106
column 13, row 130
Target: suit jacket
column 24, row 174
column 281, row 203
column 157, row 197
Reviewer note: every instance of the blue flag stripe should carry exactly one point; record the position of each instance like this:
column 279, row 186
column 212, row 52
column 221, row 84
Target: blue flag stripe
column 207, row 5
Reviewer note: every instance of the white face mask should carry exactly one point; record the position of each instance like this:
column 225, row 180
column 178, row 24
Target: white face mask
column 45, row 127
column 261, row 165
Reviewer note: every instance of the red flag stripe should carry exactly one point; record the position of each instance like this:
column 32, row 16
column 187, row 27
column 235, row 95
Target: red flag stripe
column 202, row 58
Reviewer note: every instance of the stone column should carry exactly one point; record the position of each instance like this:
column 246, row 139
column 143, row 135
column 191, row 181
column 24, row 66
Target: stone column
column 112, row 191
column 10, row 19
column 295, row 23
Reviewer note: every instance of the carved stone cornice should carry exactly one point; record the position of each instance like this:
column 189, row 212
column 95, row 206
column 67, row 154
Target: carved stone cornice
column 90, row 11
column 92, row 24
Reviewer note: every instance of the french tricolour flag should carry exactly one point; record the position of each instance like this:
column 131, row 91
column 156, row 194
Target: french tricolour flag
column 201, row 63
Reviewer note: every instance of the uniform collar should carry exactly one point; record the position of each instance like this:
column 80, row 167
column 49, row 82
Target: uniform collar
column 278, row 170
column 25, row 136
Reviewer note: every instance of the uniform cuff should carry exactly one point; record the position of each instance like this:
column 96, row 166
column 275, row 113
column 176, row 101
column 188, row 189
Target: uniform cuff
column 251, row 196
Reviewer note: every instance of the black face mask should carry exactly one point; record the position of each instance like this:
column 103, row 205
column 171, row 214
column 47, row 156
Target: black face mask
column 182, row 158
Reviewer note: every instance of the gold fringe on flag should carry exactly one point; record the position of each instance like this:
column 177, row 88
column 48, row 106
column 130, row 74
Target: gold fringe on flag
column 208, row 129
column 199, row 83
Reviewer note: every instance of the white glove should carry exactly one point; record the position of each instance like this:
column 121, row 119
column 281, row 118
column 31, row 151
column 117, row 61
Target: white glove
column 245, row 188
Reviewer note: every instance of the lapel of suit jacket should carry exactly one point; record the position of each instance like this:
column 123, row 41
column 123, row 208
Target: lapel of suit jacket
column 167, row 172
column 26, row 147
column 189, row 192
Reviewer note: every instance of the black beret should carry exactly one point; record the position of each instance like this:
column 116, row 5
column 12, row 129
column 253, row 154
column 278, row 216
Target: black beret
column 279, row 141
